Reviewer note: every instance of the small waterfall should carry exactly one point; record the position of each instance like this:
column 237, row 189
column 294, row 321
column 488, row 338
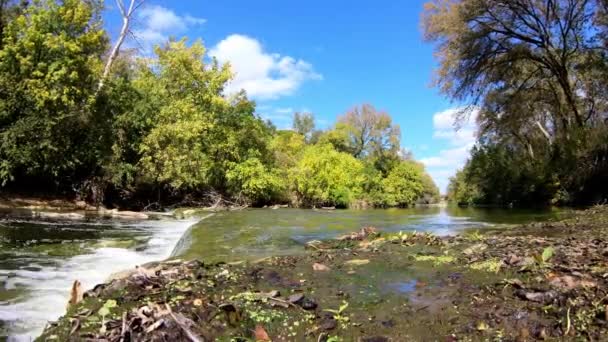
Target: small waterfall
column 47, row 281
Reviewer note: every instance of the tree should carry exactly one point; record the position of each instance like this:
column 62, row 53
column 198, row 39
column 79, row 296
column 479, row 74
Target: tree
column 461, row 191
column 304, row 123
column 126, row 12
column 9, row 10
column 326, row 177
column 189, row 94
column 532, row 70
column 256, row 182
column 403, row 186
column 49, row 65
column 370, row 133
column 488, row 46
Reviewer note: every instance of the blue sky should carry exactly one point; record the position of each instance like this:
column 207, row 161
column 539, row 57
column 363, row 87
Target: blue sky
column 323, row 57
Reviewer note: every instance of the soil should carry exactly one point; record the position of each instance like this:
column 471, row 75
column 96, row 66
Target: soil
column 545, row 281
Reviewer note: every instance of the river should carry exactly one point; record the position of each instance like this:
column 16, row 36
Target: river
column 39, row 259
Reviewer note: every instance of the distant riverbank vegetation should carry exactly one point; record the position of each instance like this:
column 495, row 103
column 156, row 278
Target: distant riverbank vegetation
column 151, row 131
column 535, row 74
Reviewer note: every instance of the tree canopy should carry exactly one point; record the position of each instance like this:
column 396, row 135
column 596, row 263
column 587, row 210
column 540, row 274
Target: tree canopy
column 533, row 70
column 82, row 118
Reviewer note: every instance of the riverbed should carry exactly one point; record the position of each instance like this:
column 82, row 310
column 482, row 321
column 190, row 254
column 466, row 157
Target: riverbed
column 39, row 259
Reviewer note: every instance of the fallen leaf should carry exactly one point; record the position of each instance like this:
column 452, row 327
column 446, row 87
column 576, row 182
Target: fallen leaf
column 481, row 326
column 357, row 262
column 260, row 334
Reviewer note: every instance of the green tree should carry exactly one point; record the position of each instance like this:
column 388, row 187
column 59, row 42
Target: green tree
column 256, row 182
column 326, row 177
column 287, row 147
column 9, row 10
column 403, row 186
column 462, row 191
column 531, row 70
column 49, row 64
column 189, row 94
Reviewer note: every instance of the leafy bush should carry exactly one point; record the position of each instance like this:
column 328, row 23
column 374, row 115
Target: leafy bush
column 325, row 177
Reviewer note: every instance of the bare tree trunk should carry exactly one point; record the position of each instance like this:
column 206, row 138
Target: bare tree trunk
column 544, row 132
column 127, row 14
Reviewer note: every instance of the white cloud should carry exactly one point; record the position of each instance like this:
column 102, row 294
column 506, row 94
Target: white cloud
column 448, row 157
column 284, row 110
column 461, row 138
column 262, row 74
column 157, row 23
column 461, row 134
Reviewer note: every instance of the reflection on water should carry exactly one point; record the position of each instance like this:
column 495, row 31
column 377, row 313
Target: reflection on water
column 404, row 286
column 40, row 260
column 257, row 233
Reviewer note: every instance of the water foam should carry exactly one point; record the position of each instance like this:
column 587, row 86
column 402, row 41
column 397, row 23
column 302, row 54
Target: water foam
column 48, row 287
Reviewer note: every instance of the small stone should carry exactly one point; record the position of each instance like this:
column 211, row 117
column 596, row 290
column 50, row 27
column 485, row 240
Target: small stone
column 295, row 298
column 274, row 294
column 388, row 323
column 328, row 323
column 538, row 297
column 308, row 304
column 320, row 267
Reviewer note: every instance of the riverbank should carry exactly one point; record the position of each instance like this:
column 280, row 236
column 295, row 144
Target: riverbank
column 64, row 209
column 538, row 281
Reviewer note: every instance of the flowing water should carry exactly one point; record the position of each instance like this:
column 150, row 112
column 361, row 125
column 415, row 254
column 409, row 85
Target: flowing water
column 39, row 260
column 258, row 233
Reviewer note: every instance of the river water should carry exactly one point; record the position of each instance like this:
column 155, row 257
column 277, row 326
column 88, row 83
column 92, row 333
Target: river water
column 39, row 259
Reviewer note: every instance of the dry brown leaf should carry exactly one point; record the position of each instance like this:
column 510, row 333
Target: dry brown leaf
column 260, row 334
column 75, row 293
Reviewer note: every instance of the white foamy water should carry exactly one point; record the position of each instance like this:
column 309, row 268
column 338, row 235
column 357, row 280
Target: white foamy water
column 47, row 281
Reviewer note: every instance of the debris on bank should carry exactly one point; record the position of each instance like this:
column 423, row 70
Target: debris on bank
column 546, row 281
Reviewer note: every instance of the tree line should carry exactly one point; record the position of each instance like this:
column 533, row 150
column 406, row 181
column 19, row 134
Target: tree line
column 535, row 71
column 142, row 131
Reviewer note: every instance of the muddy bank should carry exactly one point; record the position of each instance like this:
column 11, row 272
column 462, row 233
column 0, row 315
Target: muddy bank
column 535, row 282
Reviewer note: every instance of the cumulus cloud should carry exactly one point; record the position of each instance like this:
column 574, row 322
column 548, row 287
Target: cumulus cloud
column 461, row 139
column 262, row 74
column 157, row 23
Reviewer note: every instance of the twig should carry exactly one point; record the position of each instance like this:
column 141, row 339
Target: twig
column 192, row 336
column 123, row 331
column 568, row 323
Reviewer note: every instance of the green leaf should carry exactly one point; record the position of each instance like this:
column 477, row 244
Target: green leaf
column 104, row 311
column 547, row 253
